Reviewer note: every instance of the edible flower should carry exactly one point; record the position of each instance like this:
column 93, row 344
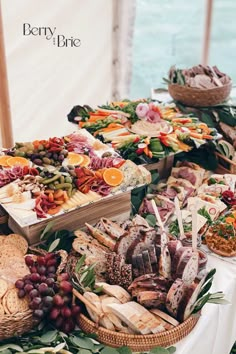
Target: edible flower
column 142, row 110
column 229, row 198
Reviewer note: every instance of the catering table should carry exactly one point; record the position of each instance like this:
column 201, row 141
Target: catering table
column 215, row 332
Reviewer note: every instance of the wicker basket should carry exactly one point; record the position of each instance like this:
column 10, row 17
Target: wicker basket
column 22, row 322
column 138, row 342
column 16, row 324
column 195, row 97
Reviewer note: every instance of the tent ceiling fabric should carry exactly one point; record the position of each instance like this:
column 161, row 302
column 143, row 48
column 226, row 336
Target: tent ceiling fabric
column 45, row 81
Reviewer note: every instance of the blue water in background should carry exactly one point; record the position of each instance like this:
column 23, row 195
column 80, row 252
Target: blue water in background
column 170, row 32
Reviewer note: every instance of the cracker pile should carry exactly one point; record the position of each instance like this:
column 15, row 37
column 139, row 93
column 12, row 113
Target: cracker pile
column 12, row 267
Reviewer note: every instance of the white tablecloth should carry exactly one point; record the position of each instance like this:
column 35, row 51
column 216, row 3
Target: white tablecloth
column 215, row 332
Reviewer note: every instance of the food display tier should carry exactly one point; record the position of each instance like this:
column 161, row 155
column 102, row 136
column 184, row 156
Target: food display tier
column 115, row 207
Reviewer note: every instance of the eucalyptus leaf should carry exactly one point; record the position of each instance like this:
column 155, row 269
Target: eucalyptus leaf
column 54, row 245
column 124, row 350
column 109, row 350
column 44, row 235
column 15, row 347
column 85, row 343
column 159, row 350
column 48, row 337
column 171, row 350
column 80, row 263
column 84, row 351
column 218, row 301
column 151, row 220
column 6, row 351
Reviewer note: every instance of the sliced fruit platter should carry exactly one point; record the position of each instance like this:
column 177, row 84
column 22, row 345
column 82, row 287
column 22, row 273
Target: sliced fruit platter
column 211, row 196
column 48, row 177
column 143, row 131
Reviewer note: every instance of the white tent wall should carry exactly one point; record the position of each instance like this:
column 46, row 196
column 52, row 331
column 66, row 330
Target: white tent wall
column 45, row 81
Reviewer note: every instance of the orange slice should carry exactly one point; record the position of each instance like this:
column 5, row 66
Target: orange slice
column 3, row 160
column 75, row 159
column 86, row 161
column 113, row 177
column 17, row 160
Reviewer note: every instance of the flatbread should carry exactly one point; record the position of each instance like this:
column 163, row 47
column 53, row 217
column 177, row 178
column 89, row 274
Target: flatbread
column 4, row 304
column 3, row 287
column 17, row 240
column 2, row 312
column 14, row 303
column 10, row 250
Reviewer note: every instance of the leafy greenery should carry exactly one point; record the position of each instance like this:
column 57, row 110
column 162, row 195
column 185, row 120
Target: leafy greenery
column 174, row 228
column 50, row 340
column 206, row 297
column 206, row 215
column 52, row 241
column 203, row 156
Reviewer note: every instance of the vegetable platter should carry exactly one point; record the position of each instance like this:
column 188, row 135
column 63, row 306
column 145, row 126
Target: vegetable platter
column 47, row 178
column 143, row 131
column 211, row 196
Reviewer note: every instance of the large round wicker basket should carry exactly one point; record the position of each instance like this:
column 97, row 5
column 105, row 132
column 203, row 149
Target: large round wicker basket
column 195, row 97
column 16, row 324
column 138, row 342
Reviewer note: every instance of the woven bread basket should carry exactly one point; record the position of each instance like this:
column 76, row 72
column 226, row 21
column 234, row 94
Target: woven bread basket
column 16, row 324
column 138, row 342
column 22, row 322
column 195, row 97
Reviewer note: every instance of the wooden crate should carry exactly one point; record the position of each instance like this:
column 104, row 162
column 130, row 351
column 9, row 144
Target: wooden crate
column 116, row 207
column 163, row 167
column 225, row 165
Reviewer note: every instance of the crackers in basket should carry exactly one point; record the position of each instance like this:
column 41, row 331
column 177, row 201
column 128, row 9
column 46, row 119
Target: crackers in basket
column 12, row 267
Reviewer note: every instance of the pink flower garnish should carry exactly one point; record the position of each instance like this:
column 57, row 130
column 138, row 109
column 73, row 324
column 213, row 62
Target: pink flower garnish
column 153, row 117
column 142, row 109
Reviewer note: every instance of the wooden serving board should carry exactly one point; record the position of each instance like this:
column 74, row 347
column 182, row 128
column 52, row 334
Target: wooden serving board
column 222, row 253
column 116, row 207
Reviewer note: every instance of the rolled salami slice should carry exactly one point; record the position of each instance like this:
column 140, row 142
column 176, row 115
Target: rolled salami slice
column 174, row 297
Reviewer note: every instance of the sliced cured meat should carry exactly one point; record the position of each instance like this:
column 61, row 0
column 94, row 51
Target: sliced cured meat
column 165, row 263
column 174, row 296
column 190, row 270
column 173, row 246
column 180, row 254
column 151, row 299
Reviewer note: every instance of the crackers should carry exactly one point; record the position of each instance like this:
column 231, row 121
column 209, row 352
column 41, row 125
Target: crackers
column 12, row 267
column 16, row 241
